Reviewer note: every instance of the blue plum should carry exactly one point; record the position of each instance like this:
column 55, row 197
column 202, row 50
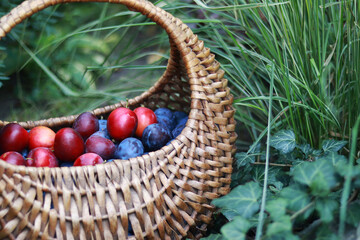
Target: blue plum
column 66, row 164
column 177, row 130
column 129, row 148
column 102, row 125
column 101, row 133
column 166, row 118
column 179, row 115
column 182, row 121
column 155, row 136
column 25, row 152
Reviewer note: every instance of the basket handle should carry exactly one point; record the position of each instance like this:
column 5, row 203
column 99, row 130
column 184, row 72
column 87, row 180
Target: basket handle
column 29, row 7
column 210, row 97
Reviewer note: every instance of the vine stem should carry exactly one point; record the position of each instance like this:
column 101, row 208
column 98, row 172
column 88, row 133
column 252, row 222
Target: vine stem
column 346, row 192
column 263, row 200
column 301, row 211
column 272, row 164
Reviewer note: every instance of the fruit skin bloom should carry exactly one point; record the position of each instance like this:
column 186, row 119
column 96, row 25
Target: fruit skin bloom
column 155, row 136
column 86, row 124
column 166, row 118
column 104, row 147
column 129, row 148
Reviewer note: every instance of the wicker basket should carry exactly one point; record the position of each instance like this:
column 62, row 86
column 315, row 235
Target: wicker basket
column 164, row 194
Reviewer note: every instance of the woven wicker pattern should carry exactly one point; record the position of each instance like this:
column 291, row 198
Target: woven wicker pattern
column 165, row 194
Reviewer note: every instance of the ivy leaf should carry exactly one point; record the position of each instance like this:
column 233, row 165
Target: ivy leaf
column 305, row 148
column 326, row 207
column 283, row 236
column 242, row 200
column 338, row 161
column 276, row 208
column 213, row 237
column 258, row 174
column 236, row 229
column 327, row 232
column 353, row 213
column 332, row 145
column 284, row 141
column 296, row 198
column 229, row 213
column 244, row 158
column 318, row 175
column 281, row 229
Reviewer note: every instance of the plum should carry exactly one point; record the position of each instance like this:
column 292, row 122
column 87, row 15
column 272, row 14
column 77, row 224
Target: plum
column 101, row 133
column 13, row 137
column 13, row 158
column 86, row 124
column 41, row 157
column 129, row 148
column 102, row 125
column 155, row 136
column 105, row 148
column 41, row 136
column 66, row 164
column 182, row 121
column 122, row 123
column 145, row 117
column 68, row 145
column 88, row 159
column 179, row 115
column 177, row 130
column 166, row 118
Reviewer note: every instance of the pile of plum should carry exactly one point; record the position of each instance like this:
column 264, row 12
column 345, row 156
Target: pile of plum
column 125, row 134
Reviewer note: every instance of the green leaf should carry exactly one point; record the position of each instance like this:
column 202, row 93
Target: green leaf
column 258, row 174
column 332, row 145
column 338, row 161
column 353, row 213
column 296, row 198
column 244, row 158
column 279, row 227
column 284, row 141
column 229, row 213
column 213, row 237
column 283, row 236
column 276, row 208
column 318, row 175
column 242, row 200
column 236, row 229
column 326, row 208
column 327, row 232
column 305, row 148
column 309, row 151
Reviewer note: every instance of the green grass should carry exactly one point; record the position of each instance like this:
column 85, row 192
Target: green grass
column 314, row 46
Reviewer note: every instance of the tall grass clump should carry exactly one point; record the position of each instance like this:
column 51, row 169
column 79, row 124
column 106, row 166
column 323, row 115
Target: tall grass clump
column 314, row 46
